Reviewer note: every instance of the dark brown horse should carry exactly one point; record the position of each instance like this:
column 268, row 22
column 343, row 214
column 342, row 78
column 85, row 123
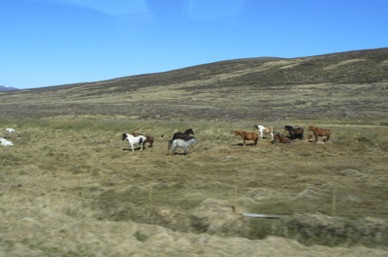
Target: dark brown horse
column 181, row 135
column 320, row 133
column 282, row 139
column 247, row 136
column 149, row 139
column 295, row 133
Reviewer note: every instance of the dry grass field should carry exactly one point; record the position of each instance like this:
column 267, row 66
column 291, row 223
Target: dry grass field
column 70, row 187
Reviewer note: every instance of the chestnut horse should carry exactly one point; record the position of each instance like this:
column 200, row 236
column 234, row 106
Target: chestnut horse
column 320, row 133
column 282, row 139
column 247, row 136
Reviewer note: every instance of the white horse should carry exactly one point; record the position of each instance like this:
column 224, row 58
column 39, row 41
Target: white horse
column 132, row 140
column 182, row 143
column 5, row 142
column 264, row 130
column 10, row 130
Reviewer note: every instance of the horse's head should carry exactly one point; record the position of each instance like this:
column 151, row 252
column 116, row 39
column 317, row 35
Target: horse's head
column 189, row 131
column 311, row 128
column 237, row 132
column 124, row 136
column 287, row 127
column 256, row 127
column 192, row 140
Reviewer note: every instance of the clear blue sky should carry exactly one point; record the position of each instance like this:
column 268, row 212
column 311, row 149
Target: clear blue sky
column 55, row 42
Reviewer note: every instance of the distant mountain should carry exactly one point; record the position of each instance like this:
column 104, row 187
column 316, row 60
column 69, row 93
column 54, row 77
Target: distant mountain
column 7, row 88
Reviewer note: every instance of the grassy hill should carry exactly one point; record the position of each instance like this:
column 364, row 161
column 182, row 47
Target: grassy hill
column 347, row 85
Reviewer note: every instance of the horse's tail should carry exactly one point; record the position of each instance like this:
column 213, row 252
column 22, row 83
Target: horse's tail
column 169, row 144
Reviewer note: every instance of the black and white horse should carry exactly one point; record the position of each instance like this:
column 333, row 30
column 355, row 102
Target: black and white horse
column 134, row 140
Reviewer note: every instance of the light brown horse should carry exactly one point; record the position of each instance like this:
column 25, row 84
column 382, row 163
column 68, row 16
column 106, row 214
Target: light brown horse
column 282, row 139
column 320, row 133
column 247, row 136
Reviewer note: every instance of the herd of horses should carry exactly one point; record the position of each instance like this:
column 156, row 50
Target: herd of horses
column 179, row 139
column 293, row 134
column 185, row 139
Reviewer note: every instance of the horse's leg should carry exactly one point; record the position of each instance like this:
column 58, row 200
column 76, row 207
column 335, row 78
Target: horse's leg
column 316, row 136
column 132, row 147
column 174, row 148
column 327, row 137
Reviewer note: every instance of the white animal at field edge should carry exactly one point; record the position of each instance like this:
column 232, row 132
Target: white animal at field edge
column 5, row 142
column 10, row 130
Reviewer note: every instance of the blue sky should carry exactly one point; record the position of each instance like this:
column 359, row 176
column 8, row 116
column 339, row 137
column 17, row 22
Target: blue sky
column 55, row 42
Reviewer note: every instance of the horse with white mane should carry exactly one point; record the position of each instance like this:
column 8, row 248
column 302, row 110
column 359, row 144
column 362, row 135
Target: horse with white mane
column 264, row 130
column 132, row 140
column 182, row 143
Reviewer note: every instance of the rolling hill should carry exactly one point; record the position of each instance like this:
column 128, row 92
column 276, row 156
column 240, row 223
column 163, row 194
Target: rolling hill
column 346, row 85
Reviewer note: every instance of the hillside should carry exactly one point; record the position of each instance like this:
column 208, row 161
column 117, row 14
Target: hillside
column 347, row 85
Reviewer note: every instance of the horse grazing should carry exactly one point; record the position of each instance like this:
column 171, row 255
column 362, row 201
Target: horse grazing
column 181, row 135
column 247, row 136
column 149, row 139
column 282, row 139
column 320, row 133
column 295, row 133
column 134, row 140
column 182, row 143
column 264, row 130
